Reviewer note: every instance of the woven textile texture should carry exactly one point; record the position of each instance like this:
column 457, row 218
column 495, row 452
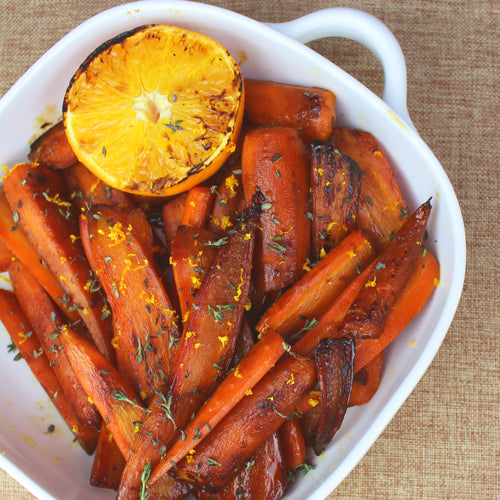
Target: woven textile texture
column 444, row 443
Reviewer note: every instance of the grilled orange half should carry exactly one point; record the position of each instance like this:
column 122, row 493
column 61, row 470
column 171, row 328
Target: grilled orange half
column 156, row 110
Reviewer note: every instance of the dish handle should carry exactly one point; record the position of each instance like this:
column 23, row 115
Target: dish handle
column 363, row 28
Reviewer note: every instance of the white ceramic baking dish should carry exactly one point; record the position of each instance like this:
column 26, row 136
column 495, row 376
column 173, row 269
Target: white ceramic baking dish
column 49, row 464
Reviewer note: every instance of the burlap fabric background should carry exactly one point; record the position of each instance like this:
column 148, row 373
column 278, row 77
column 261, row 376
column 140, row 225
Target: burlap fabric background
column 444, row 443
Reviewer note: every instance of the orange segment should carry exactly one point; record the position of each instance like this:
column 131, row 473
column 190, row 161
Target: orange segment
column 156, row 110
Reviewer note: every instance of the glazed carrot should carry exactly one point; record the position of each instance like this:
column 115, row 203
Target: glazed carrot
column 293, row 443
column 45, row 318
column 18, row 242
column 335, row 188
column 106, row 388
column 410, row 301
column 191, row 256
column 172, row 215
column 143, row 318
column 382, row 208
column 212, row 327
column 38, row 196
column 108, row 463
column 85, row 189
column 6, row 256
column 229, row 392
column 248, row 425
column 264, row 476
column 167, row 415
column 334, row 360
column 275, row 175
column 366, row 317
column 311, row 296
column 19, row 328
column 226, row 204
column 198, row 206
column 329, row 323
column 311, row 110
column 366, row 381
column 52, row 149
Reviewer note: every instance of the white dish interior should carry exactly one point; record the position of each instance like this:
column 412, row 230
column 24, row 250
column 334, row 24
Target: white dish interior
column 50, row 465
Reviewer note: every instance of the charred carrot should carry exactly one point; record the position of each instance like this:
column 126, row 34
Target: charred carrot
column 38, row 196
column 106, row 388
column 275, row 174
column 108, row 463
column 18, row 242
column 19, row 328
column 52, row 149
column 45, row 319
column 410, row 301
column 366, row 317
column 143, row 318
column 293, row 443
column 382, row 208
column 249, row 424
column 191, row 256
column 212, row 327
column 198, row 206
column 335, row 188
column 230, row 391
column 172, row 215
column 366, row 381
column 334, row 365
column 311, row 296
column 310, row 110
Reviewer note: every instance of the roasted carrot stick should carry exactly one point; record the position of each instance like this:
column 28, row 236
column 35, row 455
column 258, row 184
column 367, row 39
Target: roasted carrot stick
column 108, row 463
column 335, row 188
column 142, row 315
column 275, row 174
column 52, row 149
column 19, row 328
column 382, row 208
column 311, row 296
column 263, row 477
column 329, row 323
column 366, row 317
column 410, row 301
column 226, row 204
column 85, row 189
column 37, row 195
column 6, row 256
column 191, row 256
column 212, row 327
column 172, row 215
column 45, row 318
column 112, row 396
column 366, row 381
column 293, row 443
column 229, row 392
column 311, row 110
column 18, row 242
column 167, row 415
column 249, row 424
column 198, row 206
column 334, row 365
